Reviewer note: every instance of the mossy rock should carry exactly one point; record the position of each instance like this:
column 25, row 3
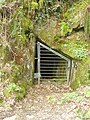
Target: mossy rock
column 75, row 16
column 87, row 23
column 82, row 77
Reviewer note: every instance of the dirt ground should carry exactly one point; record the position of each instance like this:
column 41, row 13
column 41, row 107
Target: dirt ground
column 44, row 102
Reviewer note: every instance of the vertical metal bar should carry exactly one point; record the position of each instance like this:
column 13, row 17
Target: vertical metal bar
column 68, row 72
column 38, row 52
column 72, row 71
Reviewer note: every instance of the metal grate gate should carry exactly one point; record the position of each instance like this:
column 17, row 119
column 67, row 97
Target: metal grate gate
column 50, row 65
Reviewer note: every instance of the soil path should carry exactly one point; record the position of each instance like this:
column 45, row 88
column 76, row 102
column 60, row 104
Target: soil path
column 43, row 103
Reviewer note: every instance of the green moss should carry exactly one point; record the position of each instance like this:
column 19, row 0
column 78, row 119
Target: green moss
column 74, row 45
column 75, row 15
column 75, row 84
column 87, row 24
column 81, row 77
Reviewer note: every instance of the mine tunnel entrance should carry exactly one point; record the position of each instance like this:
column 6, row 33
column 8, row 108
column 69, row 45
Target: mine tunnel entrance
column 50, row 65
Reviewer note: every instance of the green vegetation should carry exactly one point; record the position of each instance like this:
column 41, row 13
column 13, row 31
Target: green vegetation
column 73, row 96
column 82, row 75
column 77, row 97
column 52, row 99
column 77, row 49
column 87, row 93
column 17, row 90
column 65, row 25
column 83, row 114
column 65, row 29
